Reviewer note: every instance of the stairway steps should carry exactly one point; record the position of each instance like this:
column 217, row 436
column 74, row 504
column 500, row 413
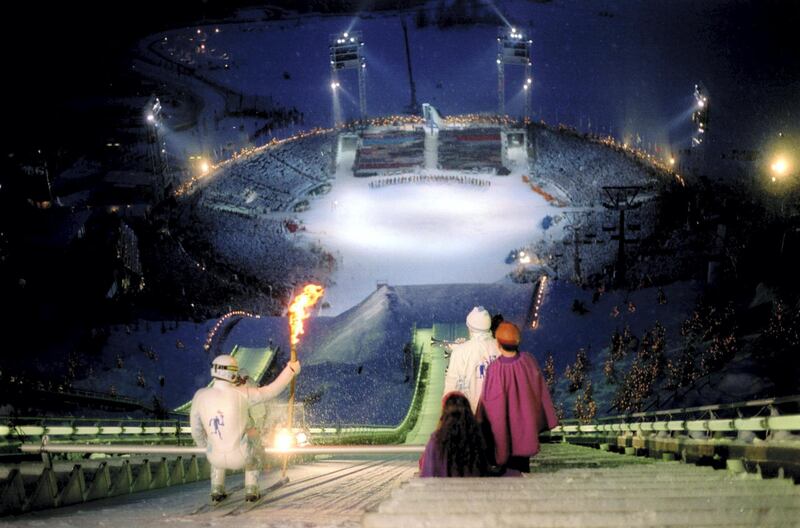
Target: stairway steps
column 639, row 519
column 574, row 486
column 595, row 492
column 655, row 481
column 600, row 504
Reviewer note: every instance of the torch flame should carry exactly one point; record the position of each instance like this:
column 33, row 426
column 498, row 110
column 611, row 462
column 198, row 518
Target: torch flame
column 297, row 310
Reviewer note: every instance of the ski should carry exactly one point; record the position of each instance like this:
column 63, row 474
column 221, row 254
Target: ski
column 211, row 506
column 248, row 506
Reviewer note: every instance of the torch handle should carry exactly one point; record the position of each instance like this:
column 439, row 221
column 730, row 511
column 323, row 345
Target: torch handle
column 290, row 414
column 290, row 409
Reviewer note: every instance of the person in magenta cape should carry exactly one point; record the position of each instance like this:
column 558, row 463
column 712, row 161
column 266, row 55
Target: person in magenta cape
column 456, row 447
column 515, row 404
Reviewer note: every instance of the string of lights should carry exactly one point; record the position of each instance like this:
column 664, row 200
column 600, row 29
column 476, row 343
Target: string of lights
column 221, row 322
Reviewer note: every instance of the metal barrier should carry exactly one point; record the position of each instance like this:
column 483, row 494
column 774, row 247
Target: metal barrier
column 703, row 418
column 15, row 431
column 761, row 436
column 391, row 449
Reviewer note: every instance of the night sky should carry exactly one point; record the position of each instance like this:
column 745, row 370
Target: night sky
column 66, row 58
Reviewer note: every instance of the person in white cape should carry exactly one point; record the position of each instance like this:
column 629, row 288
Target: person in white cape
column 470, row 359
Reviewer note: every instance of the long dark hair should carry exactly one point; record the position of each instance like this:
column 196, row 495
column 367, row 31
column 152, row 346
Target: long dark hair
column 459, row 438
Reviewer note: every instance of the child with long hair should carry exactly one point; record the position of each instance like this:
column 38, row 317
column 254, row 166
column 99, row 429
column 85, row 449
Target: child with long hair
column 456, row 447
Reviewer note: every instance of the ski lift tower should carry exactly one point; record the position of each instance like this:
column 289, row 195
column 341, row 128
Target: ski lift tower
column 621, row 198
column 515, row 50
column 347, row 53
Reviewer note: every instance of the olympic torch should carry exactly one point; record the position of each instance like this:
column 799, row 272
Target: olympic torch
column 298, row 312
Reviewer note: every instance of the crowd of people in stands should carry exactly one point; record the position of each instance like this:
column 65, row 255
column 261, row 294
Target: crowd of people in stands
column 429, row 178
column 474, row 148
column 273, row 178
column 253, row 260
column 389, row 150
column 582, row 168
column 258, row 247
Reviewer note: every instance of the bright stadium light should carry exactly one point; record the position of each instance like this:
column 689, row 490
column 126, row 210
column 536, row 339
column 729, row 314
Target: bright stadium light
column 779, row 167
column 346, row 53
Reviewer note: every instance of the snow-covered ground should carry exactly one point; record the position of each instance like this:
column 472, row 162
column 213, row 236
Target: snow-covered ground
column 423, row 233
column 326, row 493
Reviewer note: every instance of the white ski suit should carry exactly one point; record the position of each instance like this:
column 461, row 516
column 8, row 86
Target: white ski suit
column 220, row 419
column 468, row 364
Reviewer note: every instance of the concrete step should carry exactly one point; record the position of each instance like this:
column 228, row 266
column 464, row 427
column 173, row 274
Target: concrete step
column 640, row 493
column 757, row 517
column 604, row 481
column 596, row 494
column 601, row 504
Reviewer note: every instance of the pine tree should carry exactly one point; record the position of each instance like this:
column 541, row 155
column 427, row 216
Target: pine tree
column 585, row 406
column 576, row 374
column 550, row 372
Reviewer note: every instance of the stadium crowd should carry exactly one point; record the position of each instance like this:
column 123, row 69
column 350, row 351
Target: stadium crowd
column 581, row 168
column 273, row 178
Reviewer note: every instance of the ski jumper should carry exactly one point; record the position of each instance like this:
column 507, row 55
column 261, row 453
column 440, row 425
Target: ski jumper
column 220, row 419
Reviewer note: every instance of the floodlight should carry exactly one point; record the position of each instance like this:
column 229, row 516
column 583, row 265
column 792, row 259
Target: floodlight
column 780, row 166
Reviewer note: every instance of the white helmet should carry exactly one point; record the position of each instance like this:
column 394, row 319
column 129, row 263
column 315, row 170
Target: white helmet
column 479, row 320
column 225, row 367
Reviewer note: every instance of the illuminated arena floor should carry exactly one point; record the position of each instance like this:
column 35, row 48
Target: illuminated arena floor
column 422, row 233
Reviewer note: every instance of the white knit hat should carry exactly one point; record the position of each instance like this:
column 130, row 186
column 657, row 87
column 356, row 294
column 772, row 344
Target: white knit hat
column 479, row 319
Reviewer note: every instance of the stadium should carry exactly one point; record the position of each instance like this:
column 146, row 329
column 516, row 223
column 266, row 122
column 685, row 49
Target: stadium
column 381, row 194
column 543, row 163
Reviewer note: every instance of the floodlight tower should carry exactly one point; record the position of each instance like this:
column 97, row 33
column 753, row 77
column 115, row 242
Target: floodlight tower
column 700, row 114
column 347, row 53
column 158, row 151
column 515, row 50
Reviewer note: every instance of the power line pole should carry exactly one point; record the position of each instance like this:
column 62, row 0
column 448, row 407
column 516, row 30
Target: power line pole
column 413, row 106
